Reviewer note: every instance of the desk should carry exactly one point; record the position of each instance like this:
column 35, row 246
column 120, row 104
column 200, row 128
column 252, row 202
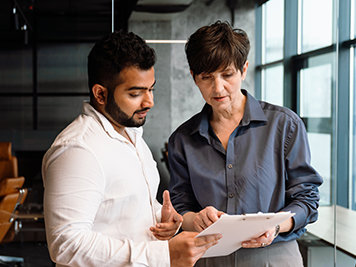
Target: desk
column 345, row 227
column 32, row 227
column 29, row 216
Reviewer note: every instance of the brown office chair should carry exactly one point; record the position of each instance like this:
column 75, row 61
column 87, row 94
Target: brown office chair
column 11, row 196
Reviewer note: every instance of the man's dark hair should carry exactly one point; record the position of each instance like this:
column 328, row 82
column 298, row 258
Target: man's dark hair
column 113, row 53
column 215, row 47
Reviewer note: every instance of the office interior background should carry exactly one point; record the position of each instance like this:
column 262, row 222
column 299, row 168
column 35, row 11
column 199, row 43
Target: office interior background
column 302, row 57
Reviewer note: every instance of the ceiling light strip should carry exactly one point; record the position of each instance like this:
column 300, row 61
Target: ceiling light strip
column 112, row 16
column 166, row 41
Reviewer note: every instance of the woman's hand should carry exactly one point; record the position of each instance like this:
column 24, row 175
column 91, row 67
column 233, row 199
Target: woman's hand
column 201, row 220
column 260, row 241
column 267, row 238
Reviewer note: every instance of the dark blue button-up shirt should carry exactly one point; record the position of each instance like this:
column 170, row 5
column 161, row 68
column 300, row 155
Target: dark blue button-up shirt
column 266, row 166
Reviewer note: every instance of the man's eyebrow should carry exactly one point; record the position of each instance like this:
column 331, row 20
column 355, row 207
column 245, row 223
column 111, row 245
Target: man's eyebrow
column 139, row 87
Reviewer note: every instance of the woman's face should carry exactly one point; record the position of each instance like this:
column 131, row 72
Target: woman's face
column 222, row 89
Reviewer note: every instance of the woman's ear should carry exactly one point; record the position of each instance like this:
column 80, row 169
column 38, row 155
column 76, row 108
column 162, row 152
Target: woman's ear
column 243, row 75
column 100, row 93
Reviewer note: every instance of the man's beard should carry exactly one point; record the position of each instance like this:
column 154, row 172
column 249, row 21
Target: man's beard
column 120, row 116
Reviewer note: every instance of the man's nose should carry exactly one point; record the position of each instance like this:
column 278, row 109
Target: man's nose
column 148, row 100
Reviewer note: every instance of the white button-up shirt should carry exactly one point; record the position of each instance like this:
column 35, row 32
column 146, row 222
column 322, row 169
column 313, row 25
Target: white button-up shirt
column 100, row 197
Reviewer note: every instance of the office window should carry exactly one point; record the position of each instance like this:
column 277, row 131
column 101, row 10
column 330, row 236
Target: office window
column 16, row 70
column 353, row 19
column 49, row 107
column 316, row 24
column 353, row 134
column 63, row 67
column 316, row 109
column 273, row 31
column 272, row 84
column 16, row 113
column 316, row 84
column 271, row 70
column 319, row 70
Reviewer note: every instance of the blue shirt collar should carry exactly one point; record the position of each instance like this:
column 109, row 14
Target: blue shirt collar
column 253, row 112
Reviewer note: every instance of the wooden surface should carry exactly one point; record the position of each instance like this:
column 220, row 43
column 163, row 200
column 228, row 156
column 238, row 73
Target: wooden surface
column 29, row 216
column 345, row 229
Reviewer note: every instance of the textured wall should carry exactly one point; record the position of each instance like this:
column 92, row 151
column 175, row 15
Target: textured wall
column 186, row 98
column 176, row 96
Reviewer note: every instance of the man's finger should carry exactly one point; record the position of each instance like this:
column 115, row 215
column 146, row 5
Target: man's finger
column 178, row 218
column 166, row 199
column 208, row 240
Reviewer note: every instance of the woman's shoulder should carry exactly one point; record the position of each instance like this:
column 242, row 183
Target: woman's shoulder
column 275, row 111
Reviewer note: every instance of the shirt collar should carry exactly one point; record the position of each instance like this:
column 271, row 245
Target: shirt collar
column 253, row 112
column 89, row 110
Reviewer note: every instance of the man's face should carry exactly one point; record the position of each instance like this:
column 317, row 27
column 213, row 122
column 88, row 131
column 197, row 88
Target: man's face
column 132, row 99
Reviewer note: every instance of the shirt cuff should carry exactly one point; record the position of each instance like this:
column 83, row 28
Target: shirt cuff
column 298, row 218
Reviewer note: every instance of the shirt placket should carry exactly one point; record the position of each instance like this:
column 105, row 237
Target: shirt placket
column 145, row 176
column 230, row 169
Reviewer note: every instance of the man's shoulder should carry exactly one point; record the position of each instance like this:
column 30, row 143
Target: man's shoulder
column 81, row 128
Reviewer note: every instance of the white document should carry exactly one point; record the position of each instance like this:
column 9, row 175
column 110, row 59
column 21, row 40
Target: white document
column 238, row 228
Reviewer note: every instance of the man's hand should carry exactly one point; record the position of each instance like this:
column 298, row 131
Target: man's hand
column 201, row 220
column 170, row 222
column 185, row 249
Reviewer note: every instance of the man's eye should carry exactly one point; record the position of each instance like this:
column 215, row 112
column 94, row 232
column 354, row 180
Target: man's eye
column 134, row 95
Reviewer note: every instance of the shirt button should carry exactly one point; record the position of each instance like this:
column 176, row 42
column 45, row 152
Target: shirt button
column 229, row 166
column 231, row 195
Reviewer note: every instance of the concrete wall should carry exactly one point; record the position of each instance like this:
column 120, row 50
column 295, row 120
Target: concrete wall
column 176, row 96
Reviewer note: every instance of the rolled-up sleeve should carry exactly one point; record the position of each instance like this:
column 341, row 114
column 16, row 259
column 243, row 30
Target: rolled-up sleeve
column 302, row 180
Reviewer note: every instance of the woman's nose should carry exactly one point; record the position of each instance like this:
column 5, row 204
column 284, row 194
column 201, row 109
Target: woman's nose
column 217, row 84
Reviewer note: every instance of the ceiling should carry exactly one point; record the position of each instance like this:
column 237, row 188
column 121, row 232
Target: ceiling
column 78, row 20
column 82, row 20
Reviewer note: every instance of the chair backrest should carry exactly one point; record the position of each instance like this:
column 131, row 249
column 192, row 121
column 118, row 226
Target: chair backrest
column 11, row 192
column 11, row 195
column 8, row 162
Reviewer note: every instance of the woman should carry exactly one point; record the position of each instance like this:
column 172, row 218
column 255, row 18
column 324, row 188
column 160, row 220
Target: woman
column 240, row 155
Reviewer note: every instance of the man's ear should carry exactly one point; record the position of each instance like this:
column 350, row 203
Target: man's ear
column 100, row 93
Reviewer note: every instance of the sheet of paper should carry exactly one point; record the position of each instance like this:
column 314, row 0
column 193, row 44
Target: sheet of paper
column 238, row 228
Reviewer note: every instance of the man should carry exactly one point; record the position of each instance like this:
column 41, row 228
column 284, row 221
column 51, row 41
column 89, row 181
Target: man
column 100, row 178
